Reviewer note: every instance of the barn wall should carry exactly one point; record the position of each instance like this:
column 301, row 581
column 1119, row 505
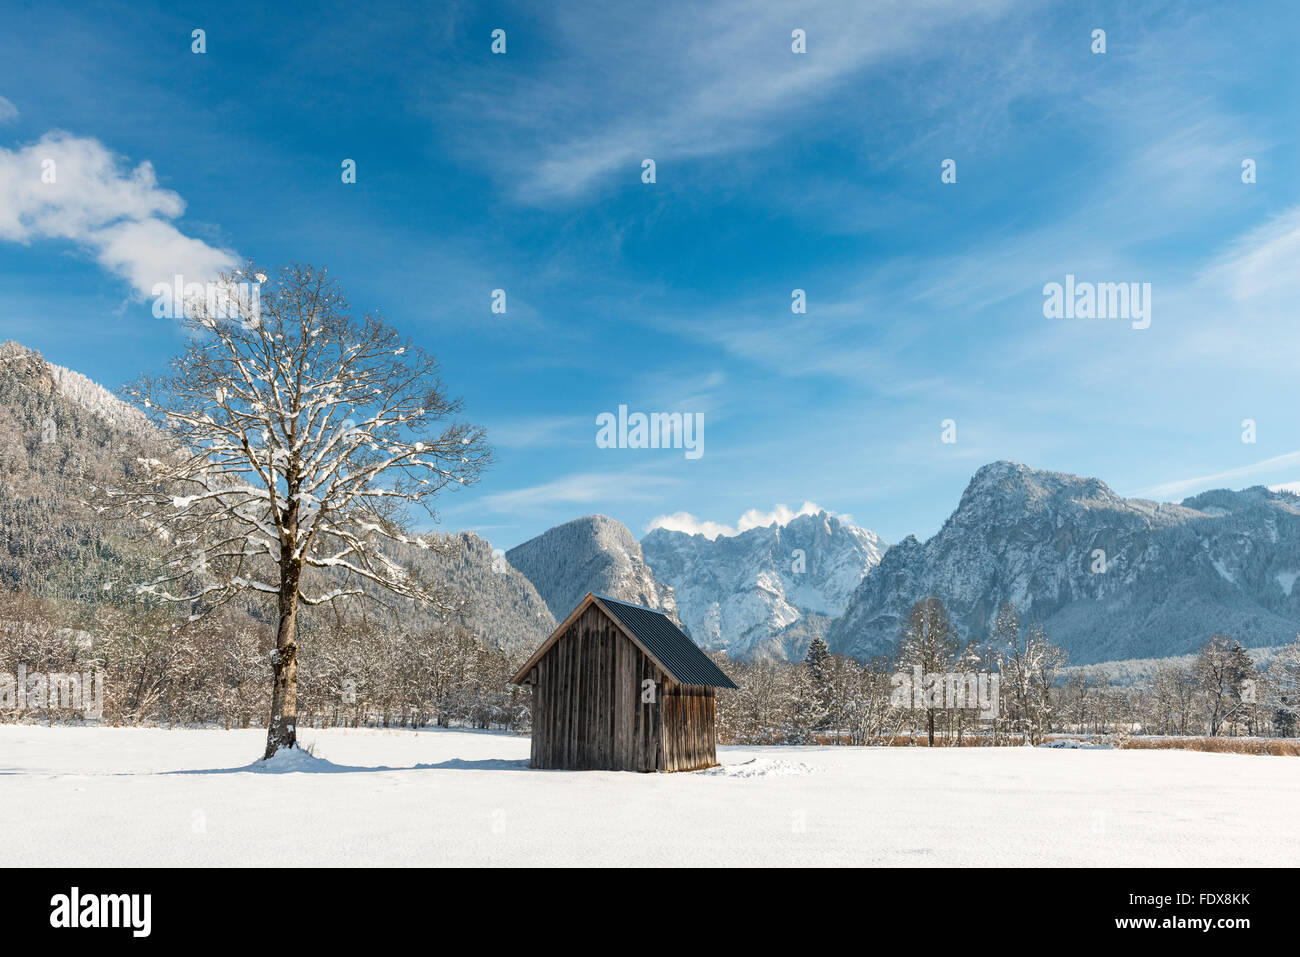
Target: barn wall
column 587, row 709
column 690, row 727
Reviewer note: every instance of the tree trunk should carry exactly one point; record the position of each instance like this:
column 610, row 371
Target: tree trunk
column 282, row 730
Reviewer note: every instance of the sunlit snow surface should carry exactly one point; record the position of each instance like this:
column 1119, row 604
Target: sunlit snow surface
column 106, row 796
column 758, row 768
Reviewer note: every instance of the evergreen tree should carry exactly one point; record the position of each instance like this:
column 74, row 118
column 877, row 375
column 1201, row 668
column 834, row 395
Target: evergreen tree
column 815, row 659
column 817, row 663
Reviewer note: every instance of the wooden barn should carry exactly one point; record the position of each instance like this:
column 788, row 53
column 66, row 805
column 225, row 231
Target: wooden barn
column 621, row 687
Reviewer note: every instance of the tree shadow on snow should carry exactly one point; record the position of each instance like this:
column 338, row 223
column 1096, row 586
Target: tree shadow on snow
column 304, row 763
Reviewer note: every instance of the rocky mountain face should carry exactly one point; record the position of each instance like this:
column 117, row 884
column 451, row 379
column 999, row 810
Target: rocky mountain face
column 767, row 591
column 1111, row 578
column 61, row 433
column 503, row 603
column 591, row 554
column 42, row 380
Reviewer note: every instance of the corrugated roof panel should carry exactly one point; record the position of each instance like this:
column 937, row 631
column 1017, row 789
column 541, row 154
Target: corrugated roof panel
column 684, row 660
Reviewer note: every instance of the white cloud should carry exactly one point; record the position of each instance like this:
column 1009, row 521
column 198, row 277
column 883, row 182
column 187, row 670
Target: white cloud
column 781, row 515
column 753, row 518
column 581, row 488
column 120, row 215
column 688, row 523
column 7, row 111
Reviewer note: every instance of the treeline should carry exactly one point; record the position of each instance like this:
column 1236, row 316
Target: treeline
column 160, row 669
column 359, row 669
column 828, row 699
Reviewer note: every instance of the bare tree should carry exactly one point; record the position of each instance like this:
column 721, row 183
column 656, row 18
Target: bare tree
column 1284, row 689
column 1221, row 671
column 1029, row 664
column 1170, row 698
column 1047, row 660
column 302, row 439
column 928, row 644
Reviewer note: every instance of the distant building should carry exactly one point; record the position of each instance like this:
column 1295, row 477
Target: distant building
column 620, row 687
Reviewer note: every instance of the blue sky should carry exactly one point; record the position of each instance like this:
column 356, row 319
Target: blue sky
column 774, row 171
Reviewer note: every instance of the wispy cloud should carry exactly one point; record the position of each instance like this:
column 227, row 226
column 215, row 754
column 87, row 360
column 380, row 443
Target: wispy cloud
column 73, row 188
column 8, row 111
column 1229, row 478
column 581, row 488
column 690, row 81
column 753, row 518
column 542, row 432
column 1260, row 267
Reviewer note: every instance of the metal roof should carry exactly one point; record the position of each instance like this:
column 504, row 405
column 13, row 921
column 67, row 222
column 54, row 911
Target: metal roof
column 681, row 657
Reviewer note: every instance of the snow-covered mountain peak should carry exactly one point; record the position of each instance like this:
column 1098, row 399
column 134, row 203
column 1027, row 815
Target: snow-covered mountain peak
column 1111, row 577
column 45, row 376
column 594, row 553
column 1224, row 501
column 1035, row 489
column 767, row 590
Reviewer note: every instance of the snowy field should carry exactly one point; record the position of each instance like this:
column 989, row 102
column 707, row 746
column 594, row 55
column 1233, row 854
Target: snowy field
column 124, row 796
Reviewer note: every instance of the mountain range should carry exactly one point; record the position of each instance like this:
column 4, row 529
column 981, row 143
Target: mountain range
column 1111, row 578
column 767, row 591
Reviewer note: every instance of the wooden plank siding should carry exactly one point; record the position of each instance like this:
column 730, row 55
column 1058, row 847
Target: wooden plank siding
column 587, row 708
column 588, row 712
column 690, row 737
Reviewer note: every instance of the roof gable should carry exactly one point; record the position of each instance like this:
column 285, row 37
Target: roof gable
column 674, row 651
column 651, row 631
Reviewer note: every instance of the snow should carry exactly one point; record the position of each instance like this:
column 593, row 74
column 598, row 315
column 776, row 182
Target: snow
column 1287, row 580
column 89, row 796
column 758, row 768
column 1223, row 571
column 590, row 554
column 95, row 398
column 291, row 760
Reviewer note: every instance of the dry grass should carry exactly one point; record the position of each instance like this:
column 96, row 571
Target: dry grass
column 1288, row 747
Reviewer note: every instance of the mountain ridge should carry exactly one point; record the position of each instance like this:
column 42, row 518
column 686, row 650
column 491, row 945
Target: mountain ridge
column 1111, row 578
column 594, row 553
column 760, row 592
column 61, row 433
